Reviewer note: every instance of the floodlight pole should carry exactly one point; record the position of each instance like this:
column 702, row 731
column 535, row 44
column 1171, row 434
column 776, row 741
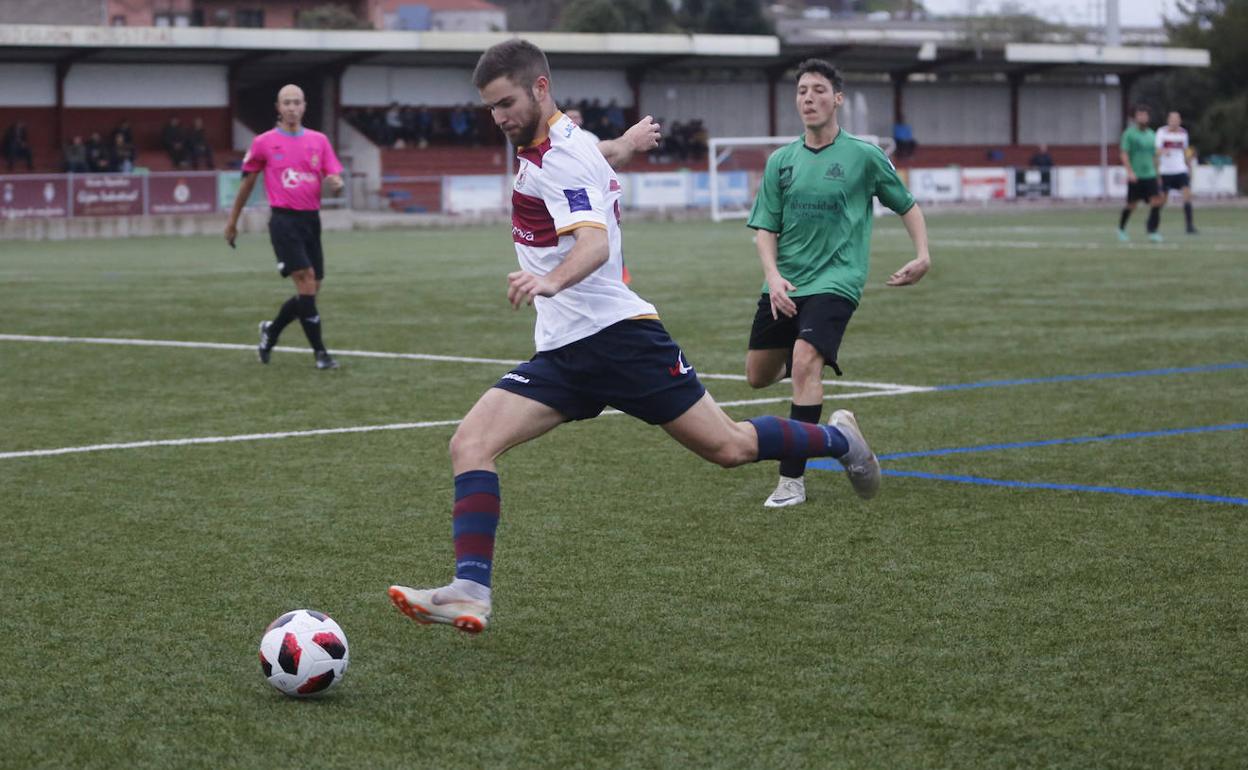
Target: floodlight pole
column 1113, row 30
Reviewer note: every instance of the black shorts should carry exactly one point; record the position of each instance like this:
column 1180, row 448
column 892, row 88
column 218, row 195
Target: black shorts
column 633, row 366
column 1175, row 181
column 296, row 238
column 820, row 320
column 1142, row 190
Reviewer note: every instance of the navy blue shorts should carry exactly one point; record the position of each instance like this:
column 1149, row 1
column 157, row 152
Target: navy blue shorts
column 1175, row 182
column 633, row 366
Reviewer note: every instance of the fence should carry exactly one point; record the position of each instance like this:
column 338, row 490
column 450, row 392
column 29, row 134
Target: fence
column 52, row 196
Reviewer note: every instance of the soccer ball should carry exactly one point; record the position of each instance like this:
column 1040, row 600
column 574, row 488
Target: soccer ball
column 303, row 652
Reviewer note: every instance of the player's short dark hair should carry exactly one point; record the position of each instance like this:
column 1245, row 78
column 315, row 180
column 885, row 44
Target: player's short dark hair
column 518, row 60
column 1141, row 107
column 821, row 67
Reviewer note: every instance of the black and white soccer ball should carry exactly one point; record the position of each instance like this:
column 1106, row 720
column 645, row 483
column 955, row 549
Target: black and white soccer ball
column 303, row 652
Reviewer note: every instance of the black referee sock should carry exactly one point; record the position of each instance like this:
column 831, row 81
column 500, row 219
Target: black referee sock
column 1187, row 214
column 1154, row 218
column 1122, row 220
column 791, row 468
column 310, row 320
column 288, row 313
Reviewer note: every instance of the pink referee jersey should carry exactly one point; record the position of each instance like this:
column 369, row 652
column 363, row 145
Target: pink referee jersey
column 294, row 165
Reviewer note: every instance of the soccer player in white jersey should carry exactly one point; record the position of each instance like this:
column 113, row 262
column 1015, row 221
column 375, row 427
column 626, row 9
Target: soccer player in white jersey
column 1174, row 163
column 598, row 343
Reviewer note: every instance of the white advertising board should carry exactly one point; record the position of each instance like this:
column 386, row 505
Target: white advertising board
column 936, row 184
column 476, row 194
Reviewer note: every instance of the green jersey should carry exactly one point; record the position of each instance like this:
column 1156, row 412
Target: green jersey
column 818, row 202
column 1140, row 146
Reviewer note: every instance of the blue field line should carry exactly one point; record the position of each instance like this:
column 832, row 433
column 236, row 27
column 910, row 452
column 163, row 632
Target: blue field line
column 1068, row 487
column 1058, row 441
column 1100, row 376
column 827, row 464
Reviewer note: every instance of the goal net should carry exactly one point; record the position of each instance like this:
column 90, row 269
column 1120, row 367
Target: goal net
column 736, row 166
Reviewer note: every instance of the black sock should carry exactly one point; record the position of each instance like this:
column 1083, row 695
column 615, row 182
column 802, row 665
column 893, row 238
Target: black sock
column 310, row 320
column 1154, row 218
column 1187, row 214
column 1122, row 220
column 796, row 468
column 288, row 313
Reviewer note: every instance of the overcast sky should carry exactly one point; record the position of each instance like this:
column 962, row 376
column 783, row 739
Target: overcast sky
column 1132, row 13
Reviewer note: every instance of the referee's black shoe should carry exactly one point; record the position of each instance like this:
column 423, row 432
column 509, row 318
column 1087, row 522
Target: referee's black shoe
column 265, row 349
column 325, row 361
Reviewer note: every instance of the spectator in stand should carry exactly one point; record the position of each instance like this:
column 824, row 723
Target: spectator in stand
column 198, row 146
column 173, row 139
column 615, row 116
column 576, row 117
column 1042, row 159
column 17, row 146
column 98, row 159
column 461, row 125
column 424, row 126
column 903, row 135
column 674, row 144
column 698, row 139
column 394, row 126
column 123, row 129
column 76, row 156
column 120, row 155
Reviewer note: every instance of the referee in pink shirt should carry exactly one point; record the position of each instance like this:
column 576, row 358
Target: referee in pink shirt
column 295, row 160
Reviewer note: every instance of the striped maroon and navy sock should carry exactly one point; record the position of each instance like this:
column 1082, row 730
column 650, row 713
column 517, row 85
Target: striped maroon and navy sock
column 781, row 439
column 474, row 522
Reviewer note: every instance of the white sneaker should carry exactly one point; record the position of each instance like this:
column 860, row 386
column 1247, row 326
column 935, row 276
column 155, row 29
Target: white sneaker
column 788, row 492
column 424, row 606
column 860, row 462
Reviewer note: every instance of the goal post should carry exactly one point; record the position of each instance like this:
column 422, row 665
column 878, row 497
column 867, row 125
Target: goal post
column 735, row 168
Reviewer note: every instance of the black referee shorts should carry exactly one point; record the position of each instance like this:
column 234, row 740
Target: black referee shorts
column 296, row 238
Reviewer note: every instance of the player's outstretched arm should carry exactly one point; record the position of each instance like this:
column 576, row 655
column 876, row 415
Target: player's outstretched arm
column 643, row 136
column 588, row 254
column 240, row 200
column 914, row 270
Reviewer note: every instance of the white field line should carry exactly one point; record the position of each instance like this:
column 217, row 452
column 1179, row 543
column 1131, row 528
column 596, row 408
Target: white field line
column 1123, row 247
column 367, row 354
column 364, row 429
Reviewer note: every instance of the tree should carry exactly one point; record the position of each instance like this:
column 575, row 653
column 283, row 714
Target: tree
column 1212, row 100
column 593, row 16
column 735, row 17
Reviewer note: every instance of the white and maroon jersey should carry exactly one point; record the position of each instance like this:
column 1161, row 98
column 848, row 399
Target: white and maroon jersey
column 562, row 184
column 1172, row 147
column 294, row 165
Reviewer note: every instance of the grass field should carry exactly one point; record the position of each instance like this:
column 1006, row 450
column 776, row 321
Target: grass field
column 1030, row 601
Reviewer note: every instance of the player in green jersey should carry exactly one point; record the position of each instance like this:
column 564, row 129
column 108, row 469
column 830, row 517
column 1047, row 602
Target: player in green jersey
column 813, row 216
column 1138, row 156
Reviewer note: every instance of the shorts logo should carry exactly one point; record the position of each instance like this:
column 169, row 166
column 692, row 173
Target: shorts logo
column 681, row 368
column 518, row 378
column 578, row 199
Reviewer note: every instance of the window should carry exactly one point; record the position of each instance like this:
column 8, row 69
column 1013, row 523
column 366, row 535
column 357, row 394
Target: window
column 249, row 17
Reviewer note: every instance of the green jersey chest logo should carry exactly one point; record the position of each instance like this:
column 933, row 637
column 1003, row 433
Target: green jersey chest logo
column 786, row 176
column 835, row 172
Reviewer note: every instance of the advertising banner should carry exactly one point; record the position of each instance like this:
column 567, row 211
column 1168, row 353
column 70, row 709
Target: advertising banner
column 23, row 197
column 228, row 183
column 1116, row 184
column 476, row 193
column 936, row 184
column 734, row 189
column 986, row 184
column 1214, row 180
column 1080, row 182
column 182, row 193
column 98, row 195
column 1033, row 183
column 659, row 190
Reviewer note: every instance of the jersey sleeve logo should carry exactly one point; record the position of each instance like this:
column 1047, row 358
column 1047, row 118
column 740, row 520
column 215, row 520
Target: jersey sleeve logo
column 786, row 176
column 578, row 199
